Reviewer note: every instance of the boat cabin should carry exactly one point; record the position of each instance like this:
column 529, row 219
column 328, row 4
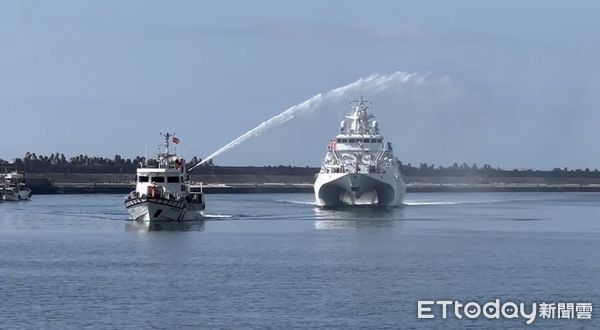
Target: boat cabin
column 163, row 181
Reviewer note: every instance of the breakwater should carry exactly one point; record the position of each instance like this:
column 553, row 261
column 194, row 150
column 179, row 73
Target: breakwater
column 265, row 182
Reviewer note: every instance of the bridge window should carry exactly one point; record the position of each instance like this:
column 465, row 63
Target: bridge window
column 142, row 178
column 344, row 140
column 352, row 140
column 158, row 179
column 173, row 179
column 366, row 140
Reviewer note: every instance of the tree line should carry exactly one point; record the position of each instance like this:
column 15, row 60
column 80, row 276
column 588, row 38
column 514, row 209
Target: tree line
column 58, row 163
column 486, row 170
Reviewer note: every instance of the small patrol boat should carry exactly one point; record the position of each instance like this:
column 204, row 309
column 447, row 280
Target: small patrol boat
column 162, row 191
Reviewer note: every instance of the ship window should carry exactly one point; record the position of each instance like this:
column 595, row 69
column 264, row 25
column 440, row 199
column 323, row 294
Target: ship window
column 339, row 140
column 344, row 140
column 173, row 179
column 352, row 140
column 366, row 140
column 158, row 179
column 142, row 178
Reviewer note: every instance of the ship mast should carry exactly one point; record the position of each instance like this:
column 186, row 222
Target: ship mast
column 166, row 136
column 360, row 116
column 163, row 159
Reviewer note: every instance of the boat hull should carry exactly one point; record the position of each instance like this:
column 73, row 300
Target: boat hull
column 339, row 189
column 160, row 209
column 14, row 195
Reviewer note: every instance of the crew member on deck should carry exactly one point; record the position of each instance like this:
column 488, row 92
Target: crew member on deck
column 153, row 190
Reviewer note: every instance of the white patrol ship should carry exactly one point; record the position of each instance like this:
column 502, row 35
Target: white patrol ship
column 359, row 168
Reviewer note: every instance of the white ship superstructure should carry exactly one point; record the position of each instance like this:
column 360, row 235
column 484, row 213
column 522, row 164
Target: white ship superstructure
column 162, row 192
column 13, row 187
column 359, row 167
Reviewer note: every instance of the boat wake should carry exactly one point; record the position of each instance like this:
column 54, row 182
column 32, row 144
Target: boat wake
column 430, row 203
column 217, row 216
column 296, row 202
column 425, row 203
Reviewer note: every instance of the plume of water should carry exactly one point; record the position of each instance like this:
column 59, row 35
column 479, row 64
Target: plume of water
column 369, row 84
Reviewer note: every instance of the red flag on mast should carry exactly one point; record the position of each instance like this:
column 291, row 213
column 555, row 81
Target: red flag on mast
column 176, row 140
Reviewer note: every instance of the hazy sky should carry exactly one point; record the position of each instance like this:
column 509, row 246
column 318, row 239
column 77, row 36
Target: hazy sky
column 520, row 79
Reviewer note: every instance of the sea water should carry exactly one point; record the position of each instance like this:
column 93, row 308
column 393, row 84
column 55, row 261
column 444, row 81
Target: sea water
column 276, row 261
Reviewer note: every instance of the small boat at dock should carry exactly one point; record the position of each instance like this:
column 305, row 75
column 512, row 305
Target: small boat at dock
column 13, row 187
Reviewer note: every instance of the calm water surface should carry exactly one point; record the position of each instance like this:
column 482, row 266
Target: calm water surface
column 276, row 261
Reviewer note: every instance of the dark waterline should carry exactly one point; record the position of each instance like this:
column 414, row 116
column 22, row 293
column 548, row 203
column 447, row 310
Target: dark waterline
column 276, row 261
